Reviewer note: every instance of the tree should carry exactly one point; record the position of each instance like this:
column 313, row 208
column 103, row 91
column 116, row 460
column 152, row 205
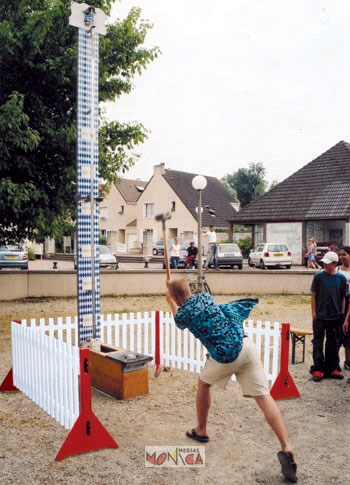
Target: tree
column 273, row 184
column 38, row 59
column 248, row 183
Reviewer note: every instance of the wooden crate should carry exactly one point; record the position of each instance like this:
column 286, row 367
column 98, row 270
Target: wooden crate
column 107, row 375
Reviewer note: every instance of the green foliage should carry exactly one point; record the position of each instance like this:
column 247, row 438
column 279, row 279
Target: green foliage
column 242, row 228
column 248, row 183
column 273, row 184
column 38, row 59
column 103, row 240
column 31, row 255
column 245, row 243
column 226, row 181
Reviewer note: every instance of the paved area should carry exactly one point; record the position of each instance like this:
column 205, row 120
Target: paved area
column 62, row 265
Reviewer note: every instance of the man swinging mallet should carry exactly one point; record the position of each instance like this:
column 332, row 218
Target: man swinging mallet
column 220, row 330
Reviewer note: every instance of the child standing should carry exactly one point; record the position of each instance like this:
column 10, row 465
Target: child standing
column 327, row 307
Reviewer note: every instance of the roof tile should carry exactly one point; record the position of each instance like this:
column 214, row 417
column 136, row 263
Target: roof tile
column 319, row 190
column 214, row 195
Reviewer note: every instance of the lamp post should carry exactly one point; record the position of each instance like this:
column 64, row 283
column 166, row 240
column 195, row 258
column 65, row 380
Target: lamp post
column 199, row 183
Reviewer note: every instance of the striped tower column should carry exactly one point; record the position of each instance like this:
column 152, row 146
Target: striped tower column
column 90, row 23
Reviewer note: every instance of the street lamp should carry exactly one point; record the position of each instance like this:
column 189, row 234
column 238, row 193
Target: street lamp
column 199, row 183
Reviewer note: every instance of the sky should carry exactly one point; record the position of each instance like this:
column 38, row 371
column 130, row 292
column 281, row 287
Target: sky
column 240, row 82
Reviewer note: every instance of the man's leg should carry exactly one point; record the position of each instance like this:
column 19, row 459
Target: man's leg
column 318, row 327
column 215, row 255
column 202, row 407
column 332, row 347
column 274, row 418
column 210, row 256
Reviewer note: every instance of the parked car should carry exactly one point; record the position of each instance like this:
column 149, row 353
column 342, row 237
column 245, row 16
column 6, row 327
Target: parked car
column 230, row 255
column 106, row 257
column 267, row 255
column 158, row 248
column 13, row 256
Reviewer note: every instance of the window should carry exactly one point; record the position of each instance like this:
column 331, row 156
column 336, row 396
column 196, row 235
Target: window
column 103, row 213
column 258, row 233
column 149, row 210
column 173, row 205
column 121, row 209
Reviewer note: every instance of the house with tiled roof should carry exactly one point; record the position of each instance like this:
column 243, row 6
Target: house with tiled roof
column 118, row 212
column 313, row 202
column 172, row 191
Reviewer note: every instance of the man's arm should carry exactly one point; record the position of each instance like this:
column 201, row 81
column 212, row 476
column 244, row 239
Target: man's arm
column 313, row 305
column 174, row 307
column 343, row 297
column 342, row 307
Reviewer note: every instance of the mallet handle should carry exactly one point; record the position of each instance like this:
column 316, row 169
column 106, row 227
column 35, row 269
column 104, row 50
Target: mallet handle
column 166, row 257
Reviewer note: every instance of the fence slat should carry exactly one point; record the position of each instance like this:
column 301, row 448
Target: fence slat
column 47, row 371
column 46, row 364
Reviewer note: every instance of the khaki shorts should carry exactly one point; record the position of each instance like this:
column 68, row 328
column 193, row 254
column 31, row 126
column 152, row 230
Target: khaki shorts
column 247, row 367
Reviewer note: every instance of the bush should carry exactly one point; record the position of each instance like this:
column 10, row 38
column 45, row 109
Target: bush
column 31, row 255
column 245, row 244
column 103, row 240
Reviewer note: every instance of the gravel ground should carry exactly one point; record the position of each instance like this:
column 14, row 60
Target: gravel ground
column 242, row 449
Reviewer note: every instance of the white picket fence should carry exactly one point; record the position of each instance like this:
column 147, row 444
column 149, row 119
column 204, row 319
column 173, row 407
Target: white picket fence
column 46, row 370
column 178, row 348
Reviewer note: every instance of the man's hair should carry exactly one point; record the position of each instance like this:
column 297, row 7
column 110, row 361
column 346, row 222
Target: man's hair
column 346, row 249
column 179, row 288
column 211, row 226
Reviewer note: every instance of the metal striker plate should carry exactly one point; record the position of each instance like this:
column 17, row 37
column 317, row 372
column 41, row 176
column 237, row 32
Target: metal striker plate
column 130, row 361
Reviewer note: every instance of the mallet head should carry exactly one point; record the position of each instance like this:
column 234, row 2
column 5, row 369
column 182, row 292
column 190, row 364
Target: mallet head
column 164, row 216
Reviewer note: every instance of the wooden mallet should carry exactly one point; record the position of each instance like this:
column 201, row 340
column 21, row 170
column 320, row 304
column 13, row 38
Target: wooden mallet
column 162, row 218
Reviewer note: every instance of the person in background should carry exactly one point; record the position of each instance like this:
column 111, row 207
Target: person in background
column 192, row 252
column 344, row 256
column 175, row 250
column 327, row 308
column 213, row 248
column 311, row 254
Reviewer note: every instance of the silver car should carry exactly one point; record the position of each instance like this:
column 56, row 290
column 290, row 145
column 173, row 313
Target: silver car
column 230, row 255
column 106, row 257
column 13, row 256
column 158, row 248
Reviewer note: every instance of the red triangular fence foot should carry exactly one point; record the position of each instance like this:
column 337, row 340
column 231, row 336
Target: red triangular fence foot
column 7, row 383
column 87, row 434
column 284, row 387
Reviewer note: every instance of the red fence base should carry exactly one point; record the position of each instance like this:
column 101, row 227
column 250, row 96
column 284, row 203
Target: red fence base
column 87, row 433
column 7, row 383
column 284, row 387
column 157, row 345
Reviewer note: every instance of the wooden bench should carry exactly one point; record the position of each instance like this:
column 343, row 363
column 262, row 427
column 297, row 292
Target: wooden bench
column 298, row 336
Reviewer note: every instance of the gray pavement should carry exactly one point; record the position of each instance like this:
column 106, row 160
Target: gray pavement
column 62, row 265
